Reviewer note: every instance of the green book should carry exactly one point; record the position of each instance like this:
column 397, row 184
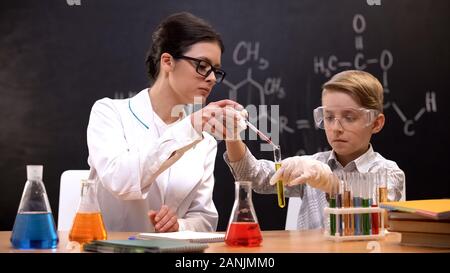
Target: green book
column 157, row 245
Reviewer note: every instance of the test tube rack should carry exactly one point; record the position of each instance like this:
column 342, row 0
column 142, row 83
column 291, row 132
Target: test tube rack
column 339, row 236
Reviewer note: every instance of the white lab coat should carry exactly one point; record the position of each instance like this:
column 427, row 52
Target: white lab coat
column 126, row 159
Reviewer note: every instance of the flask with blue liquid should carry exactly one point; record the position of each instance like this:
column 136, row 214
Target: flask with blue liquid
column 34, row 226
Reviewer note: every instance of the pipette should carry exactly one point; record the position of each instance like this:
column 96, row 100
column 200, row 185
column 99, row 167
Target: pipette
column 261, row 135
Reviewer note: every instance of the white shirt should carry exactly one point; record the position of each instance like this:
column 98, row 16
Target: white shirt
column 311, row 214
column 131, row 148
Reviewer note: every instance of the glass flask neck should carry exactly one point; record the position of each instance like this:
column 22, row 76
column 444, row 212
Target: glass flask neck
column 243, row 210
column 34, row 198
column 88, row 198
column 243, row 192
column 34, row 172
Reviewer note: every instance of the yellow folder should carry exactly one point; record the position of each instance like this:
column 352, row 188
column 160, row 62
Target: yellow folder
column 433, row 208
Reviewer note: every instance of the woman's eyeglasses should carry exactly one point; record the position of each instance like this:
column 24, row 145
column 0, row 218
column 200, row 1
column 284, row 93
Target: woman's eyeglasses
column 204, row 68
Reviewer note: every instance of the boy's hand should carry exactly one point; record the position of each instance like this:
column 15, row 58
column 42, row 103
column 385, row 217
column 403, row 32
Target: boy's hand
column 165, row 220
column 299, row 170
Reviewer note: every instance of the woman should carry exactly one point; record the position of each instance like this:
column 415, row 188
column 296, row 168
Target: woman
column 154, row 165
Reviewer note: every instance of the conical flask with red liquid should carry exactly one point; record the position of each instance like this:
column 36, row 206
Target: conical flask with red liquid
column 34, row 227
column 88, row 222
column 243, row 228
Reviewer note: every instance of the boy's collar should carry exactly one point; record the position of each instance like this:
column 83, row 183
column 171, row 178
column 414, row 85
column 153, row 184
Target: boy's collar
column 362, row 163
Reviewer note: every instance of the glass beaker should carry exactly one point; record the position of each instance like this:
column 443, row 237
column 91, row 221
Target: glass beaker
column 243, row 228
column 34, row 226
column 88, row 222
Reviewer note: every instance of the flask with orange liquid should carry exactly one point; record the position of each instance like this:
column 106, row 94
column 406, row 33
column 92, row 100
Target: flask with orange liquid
column 88, row 222
column 243, row 228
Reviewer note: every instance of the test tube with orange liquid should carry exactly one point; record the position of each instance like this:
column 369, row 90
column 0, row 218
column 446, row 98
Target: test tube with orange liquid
column 382, row 191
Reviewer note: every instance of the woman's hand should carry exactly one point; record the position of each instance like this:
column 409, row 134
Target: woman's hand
column 223, row 119
column 165, row 220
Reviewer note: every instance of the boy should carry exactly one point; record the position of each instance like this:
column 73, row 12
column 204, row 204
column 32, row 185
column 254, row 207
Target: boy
column 351, row 112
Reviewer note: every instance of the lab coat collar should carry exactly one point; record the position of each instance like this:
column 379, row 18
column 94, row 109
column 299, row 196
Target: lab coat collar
column 142, row 108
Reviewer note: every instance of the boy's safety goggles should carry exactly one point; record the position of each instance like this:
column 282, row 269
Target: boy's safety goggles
column 349, row 118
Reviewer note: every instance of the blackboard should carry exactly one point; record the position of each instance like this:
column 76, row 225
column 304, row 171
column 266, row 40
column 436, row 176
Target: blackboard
column 58, row 57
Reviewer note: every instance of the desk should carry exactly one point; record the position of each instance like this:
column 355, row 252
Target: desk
column 279, row 241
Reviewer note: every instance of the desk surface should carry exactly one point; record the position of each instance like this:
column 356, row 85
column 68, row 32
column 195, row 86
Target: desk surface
column 280, row 241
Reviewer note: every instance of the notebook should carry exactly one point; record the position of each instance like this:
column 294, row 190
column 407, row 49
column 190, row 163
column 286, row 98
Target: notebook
column 435, row 208
column 155, row 245
column 191, row 236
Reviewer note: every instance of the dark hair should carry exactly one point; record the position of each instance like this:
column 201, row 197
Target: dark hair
column 175, row 35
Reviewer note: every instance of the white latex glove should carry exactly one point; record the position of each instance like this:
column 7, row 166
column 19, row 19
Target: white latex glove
column 299, row 170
